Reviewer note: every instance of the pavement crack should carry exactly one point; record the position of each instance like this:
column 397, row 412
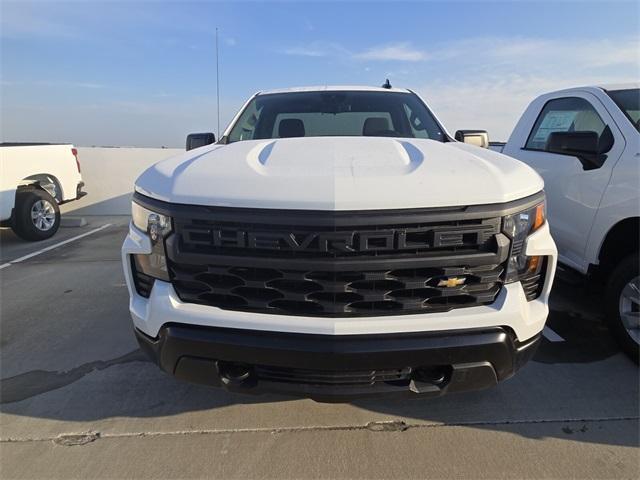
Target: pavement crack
column 36, row 382
column 398, row 426
column 388, row 426
column 76, row 439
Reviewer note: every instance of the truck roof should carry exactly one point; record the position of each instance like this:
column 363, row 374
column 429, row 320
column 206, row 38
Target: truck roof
column 332, row 88
column 592, row 88
column 620, row 86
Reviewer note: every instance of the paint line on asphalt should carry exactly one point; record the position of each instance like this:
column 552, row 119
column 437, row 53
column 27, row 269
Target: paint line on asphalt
column 55, row 245
column 551, row 335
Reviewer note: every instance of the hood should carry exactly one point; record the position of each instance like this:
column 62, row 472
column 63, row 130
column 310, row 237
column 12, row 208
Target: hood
column 339, row 173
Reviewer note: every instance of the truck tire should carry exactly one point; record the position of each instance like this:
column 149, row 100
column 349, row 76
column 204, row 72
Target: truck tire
column 623, row 305
column 36, row 215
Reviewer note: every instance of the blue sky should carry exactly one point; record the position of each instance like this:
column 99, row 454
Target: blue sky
column 143, row 73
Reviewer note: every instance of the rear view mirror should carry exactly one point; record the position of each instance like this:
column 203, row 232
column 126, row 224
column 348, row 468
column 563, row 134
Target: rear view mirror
column 586, row 145
column 195, row 140
column 479, row 138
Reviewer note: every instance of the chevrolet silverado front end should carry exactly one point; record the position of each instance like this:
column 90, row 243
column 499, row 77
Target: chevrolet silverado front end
column 337, row 243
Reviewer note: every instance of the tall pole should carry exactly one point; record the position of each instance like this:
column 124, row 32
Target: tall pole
column 217, row 86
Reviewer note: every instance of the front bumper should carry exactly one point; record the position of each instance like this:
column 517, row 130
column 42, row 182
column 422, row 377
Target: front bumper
column 335, row 368
column 471, row 348
column 510, row 309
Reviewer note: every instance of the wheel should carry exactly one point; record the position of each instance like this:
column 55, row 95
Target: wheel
column 623, row 305
column 36, row 215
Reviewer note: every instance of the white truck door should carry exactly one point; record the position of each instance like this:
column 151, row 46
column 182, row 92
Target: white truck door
column 573, row 192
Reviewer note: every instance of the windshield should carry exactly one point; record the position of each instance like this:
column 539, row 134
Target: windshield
column 335, row 113
column 629, row 103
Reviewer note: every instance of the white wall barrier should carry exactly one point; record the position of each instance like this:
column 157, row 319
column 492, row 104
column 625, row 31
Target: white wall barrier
column 109, row 175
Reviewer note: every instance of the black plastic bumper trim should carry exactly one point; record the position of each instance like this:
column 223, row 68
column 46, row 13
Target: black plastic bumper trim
column 79, row 194
column 476, row 358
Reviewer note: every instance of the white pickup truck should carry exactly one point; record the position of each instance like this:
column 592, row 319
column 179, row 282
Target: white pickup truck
column 585, row 143
column 338, row 242
column 34, row 180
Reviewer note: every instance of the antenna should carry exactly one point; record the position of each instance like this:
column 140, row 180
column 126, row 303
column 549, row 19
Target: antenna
column 386, row 84
column 217, row 87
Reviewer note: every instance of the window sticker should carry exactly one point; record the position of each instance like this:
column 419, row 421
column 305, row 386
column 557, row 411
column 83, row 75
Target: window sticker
column 554, row 121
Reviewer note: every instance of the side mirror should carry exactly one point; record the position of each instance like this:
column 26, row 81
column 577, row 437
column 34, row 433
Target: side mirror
column 479, row 138
column 584, row 145
column 195, row 140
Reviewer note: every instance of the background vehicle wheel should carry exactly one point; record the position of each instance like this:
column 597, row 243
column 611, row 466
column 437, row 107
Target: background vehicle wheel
column 623, row 305
column 36, row 215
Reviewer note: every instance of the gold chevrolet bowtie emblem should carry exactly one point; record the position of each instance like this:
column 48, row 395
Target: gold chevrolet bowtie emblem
column 451, row 282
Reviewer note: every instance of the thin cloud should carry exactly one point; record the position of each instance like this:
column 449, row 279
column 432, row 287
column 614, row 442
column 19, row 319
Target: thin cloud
column 592, row 52
column 53, row 84
column 400, row 51
column 305, row 52
column 403, row 52
column 20, row 20
column 317, row 49
column 64, row 84
column 86, row 85
column 495, row 51
column 492, row 90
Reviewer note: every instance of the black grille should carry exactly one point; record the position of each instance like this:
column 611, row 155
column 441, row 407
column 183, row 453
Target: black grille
column 336, row 264
column 325, row 293
column 342, row 378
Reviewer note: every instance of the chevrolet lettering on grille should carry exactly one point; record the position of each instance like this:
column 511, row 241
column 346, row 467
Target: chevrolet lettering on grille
column 337, row 242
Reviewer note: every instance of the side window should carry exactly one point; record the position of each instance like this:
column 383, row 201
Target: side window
column 571, row 114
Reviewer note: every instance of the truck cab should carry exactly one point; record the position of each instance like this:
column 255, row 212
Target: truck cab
column 585, row 144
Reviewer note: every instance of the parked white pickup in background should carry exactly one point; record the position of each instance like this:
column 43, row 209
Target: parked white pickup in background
column 35, row 179
column 585, row 143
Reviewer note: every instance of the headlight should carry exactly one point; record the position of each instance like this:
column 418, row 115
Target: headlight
column 157, row 226
column 518, row 227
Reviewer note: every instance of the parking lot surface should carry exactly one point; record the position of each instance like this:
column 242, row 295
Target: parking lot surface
column 78, row 400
